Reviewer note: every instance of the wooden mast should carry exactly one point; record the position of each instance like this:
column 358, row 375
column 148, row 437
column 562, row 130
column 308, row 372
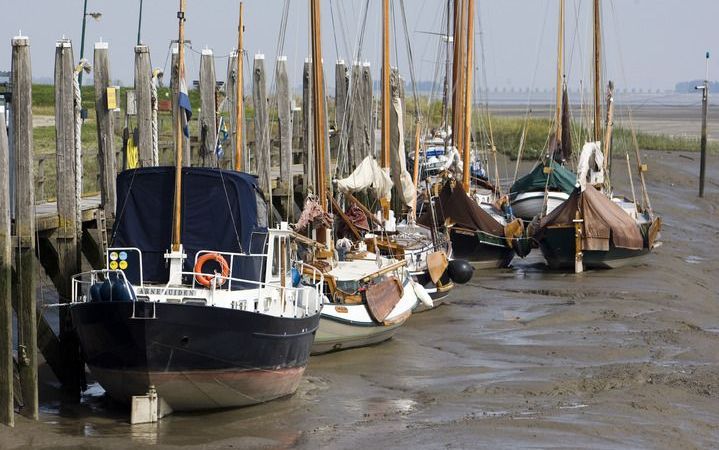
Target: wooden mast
column 385, row 151
column 318, row 96
column 560, row 74
column 177, row 212
column 447, row 68
column 385, row 155
column 239, row 100
column 468, row 77
column 597, row 71
column 457, row 74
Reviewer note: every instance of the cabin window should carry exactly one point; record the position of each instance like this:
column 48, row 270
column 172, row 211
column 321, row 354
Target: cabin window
column 276, row 256
column 280, row 256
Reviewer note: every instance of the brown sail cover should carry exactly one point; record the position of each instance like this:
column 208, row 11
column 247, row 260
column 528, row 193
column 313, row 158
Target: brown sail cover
column 382, row 297
column 603, row 221
column 456, row 206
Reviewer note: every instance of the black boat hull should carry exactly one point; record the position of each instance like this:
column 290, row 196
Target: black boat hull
column 558, row 248
column 481, row 250
column 196, row 357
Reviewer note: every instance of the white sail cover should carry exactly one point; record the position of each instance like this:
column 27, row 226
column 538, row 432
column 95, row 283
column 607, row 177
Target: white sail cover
column 368, row 174
column 405, row 188
column 589, row 170
column 453, row 161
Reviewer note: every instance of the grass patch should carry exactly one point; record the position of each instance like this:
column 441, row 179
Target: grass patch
column 508, row 131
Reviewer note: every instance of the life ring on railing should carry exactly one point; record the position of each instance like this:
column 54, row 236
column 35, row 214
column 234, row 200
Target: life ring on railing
column 206, row 279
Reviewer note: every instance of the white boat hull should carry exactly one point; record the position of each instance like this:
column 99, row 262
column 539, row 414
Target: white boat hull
column 528, row 205
column 344, row 326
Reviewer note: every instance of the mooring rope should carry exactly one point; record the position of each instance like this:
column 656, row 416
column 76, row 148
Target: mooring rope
column 83, row 65
column 154, row 101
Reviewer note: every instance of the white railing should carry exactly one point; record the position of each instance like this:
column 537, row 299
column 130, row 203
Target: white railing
column 294, row 296
column 81, row 280
column 305, row 299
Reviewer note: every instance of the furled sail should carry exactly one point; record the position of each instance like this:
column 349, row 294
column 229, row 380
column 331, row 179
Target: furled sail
column 367, row 175
column 405, row 187
column 591, row 165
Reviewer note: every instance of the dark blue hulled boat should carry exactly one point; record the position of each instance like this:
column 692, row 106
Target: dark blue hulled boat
column 212, row 323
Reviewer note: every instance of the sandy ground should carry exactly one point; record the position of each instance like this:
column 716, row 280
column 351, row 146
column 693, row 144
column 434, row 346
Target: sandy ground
column 521, row 358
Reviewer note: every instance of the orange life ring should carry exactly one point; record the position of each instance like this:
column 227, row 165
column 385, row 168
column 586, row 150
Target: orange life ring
column 206, row 280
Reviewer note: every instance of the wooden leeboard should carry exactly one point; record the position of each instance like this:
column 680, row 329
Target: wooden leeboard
column 382, row 297
column 436, row 265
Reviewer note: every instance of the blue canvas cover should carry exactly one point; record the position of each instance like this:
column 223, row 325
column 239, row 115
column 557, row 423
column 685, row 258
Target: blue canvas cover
column 560, row 179
column 219, row 213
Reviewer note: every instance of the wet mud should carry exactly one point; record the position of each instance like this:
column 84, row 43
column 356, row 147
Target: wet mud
column 519, row 358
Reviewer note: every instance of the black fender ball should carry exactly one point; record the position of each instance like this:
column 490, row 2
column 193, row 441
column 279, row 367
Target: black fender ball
column 460, row 271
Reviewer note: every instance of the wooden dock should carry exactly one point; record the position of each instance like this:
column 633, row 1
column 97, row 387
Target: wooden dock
column 48, row 220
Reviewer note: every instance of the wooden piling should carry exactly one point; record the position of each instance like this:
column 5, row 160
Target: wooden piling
column 231, row 92
column 67, row 235
column 341, row 90
column 143, row 96
column 7, row 415
column 25, row 223
column 361, row 133
column 284, row 116
column 175, row 82
column 262, row 130
column 307, row 129
column 368, row 105
column 208, row 109
column 284, row 113
column 341, row 87
column 105, row 132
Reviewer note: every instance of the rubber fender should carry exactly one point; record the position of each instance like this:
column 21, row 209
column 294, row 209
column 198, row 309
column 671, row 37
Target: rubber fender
column 422, row 294
column 96, row 292
column 460, row 271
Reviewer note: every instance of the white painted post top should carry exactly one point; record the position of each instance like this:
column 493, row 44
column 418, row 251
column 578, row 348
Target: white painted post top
column 20, row 41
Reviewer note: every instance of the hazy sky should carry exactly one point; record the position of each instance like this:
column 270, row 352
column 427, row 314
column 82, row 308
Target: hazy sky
column 648, row 43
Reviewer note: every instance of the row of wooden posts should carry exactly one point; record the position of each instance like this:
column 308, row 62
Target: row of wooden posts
column 59, row 247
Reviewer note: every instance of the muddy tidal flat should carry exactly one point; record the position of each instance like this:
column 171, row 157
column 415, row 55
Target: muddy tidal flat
column 519, row 358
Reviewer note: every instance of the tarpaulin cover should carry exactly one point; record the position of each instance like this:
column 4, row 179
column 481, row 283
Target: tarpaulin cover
column 219, row 213
column 560, row 179
column 604, row 221
column 454, row 204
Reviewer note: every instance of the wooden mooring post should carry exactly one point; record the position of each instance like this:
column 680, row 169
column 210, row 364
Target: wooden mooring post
column 284, row 115
column 308, row 161
column 262, row 130
column 143, row 97
column 69, row 231
column 105, row 134
column 208, row 109
column 24, row 289
column 7, row 399
column 231, row 102
column 175, row 82
column 342, row 81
